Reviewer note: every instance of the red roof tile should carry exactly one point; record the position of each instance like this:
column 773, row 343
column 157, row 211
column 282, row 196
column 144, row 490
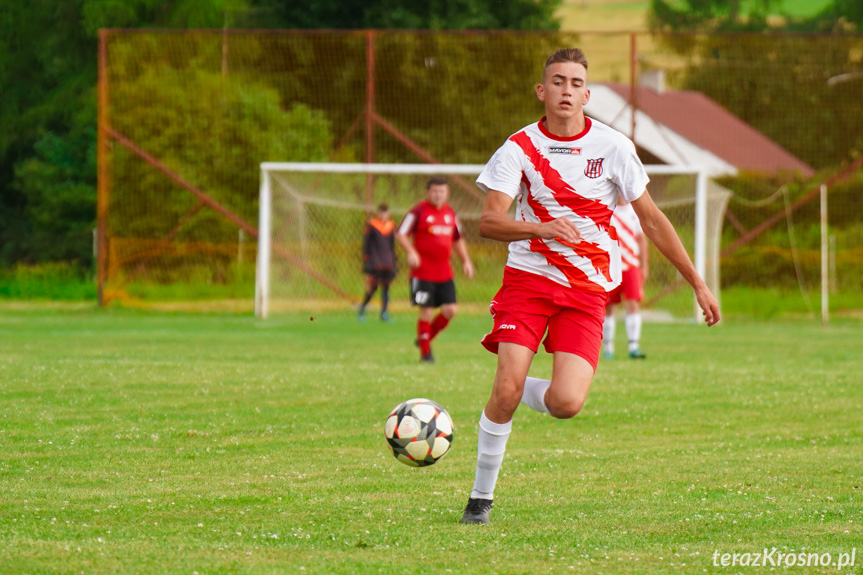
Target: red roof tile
column 707, row 124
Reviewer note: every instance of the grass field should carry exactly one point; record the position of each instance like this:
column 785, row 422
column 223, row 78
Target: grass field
column 140, row 442
column 631, row 15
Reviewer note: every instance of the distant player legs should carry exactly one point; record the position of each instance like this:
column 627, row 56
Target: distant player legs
column 371, row 288
column 385, row 298
column 608, row 331
column 633, row 327
column 447, row 312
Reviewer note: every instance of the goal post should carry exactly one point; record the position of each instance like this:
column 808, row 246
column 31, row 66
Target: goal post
column 312, row 215
column 324, row 188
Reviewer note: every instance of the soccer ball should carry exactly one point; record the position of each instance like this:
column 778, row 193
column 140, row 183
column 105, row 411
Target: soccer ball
column 419, row 432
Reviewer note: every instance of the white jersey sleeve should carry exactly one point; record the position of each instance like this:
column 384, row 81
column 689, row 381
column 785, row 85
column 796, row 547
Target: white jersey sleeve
column 630, row 176
column 503, row 172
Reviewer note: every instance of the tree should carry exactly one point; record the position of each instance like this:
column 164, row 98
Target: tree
column 709, row 15
column 48, row 77
column 397, row 14
column 752, row 16
column 48, row 118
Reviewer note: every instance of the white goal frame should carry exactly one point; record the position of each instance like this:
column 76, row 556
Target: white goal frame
column 262, row 275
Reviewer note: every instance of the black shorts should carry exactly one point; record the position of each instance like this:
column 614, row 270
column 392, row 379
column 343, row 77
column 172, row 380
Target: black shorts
column 432, row 294
column 382, row 276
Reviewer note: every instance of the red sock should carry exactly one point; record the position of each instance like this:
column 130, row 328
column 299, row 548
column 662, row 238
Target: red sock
column 437, row 325
column 423, row 337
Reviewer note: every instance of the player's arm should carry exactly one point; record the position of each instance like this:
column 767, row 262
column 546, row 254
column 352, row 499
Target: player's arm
column 460, row 248
column 413, row 256
column 496, row 224
column 660, row 231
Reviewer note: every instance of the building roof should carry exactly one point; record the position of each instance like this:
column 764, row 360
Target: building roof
column 686, row 127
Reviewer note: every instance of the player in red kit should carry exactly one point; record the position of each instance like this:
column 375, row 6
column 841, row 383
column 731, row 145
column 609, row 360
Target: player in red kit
column 429, row 234
column 565, row 173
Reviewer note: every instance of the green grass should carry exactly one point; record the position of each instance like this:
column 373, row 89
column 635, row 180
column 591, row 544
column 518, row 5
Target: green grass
column 804, row 8
column 48, row 282
column 631, row 15
column 177, row 443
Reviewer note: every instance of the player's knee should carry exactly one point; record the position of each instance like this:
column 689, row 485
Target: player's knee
column 505, row 398
column 566, row 409
column 449, row 311
column 565, row 402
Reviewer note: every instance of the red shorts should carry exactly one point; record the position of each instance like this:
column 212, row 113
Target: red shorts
column 527, row 306
column 631, row 287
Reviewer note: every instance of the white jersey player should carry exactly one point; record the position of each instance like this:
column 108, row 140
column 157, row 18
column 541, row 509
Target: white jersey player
column 567, row 173
column 634, row 264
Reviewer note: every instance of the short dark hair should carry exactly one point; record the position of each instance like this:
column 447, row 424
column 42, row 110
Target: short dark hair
column 383, row 208
column 436, row 181
column 566, row 55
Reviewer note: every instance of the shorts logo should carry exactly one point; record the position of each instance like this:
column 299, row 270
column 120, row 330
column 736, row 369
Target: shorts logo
column 594, row 168
column 507, row 326
column 560, row 150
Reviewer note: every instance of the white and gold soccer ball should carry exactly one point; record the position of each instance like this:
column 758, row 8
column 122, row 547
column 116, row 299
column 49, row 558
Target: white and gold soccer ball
column 419, row 432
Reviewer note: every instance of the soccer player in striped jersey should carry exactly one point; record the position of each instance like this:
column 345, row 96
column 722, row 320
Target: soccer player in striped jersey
column 379, row 260
column 634, row 266
column 566, row 174
column 429, row 234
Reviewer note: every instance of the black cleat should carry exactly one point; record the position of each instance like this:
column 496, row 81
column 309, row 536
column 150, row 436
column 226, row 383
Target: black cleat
column 637, row 354
column 427, row 358
column 477, row 511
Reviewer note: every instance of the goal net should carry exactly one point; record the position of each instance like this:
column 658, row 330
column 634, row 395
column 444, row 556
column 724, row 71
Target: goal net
column 312, row 217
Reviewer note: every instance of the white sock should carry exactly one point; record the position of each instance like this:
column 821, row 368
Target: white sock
column 608, row 333
column 534, row 394
column 491, row 445
column 633, row 330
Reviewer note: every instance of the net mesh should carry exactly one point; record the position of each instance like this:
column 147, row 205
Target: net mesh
column 190, row 115
column 318, row 220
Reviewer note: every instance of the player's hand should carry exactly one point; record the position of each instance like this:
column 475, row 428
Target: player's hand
column 413, row 260
column 708, row 304
column 560, row 229
column 467, row 268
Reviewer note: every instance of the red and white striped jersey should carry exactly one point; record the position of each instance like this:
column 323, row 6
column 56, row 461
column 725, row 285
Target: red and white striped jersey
column 580, row 178
column 625, row 221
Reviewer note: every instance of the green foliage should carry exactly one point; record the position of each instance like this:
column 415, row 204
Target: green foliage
column 215, row 140
column 432, row 15
column 48, row 73
column 787, row 257
column 58, row 187
column 60, row 281
column 773, row 82
column 752, row 16
column 48, row 117
column 709, row 15
column 96, row 14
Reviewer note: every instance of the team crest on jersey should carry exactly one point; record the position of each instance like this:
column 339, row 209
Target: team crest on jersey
column 561, row 150
column 447, row 219
column 594, row 168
